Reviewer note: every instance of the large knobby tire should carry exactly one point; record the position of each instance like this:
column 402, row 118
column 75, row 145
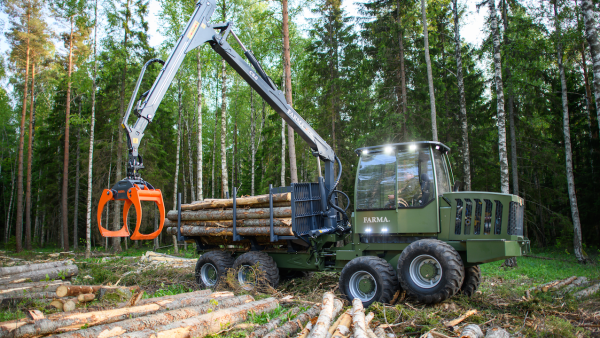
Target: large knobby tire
column 370, row 279
column 430, row 271
column 212, row 268
column 472, row 281
column 244, row 267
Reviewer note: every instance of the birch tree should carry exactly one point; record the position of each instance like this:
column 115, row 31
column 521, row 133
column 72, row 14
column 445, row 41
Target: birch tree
column 176, row 178
column 501, row 120
column 577, row 242
column 288, row 88
column 434, row 133
column 462, row 100
column 200, row 193
column 591, row 34
column 224, row 176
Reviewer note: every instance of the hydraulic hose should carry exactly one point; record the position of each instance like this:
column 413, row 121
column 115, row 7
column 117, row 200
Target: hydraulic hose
column 332, row 205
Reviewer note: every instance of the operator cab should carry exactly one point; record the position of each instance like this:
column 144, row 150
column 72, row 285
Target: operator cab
column 397, row 185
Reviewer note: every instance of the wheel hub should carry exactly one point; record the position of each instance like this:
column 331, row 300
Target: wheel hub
column 209, row 275
column 363, row 286
column 425, row 271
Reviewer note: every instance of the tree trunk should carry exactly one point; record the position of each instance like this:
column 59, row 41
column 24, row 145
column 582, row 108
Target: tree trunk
column 65, row 183
column 463, row 103
column 10, row 202
column 40, row 275
column 404, row 105
column 75, row 290
column 591, row 35
column 577, row 242
column 227, row 214
column 434, row 132
column 283, row 152
column 224, row 174
column 251, row 222
column 15, row 270
column 199, row 186
column 19, row 216
column 501, row 120
column 288, row 88
column 88, row 223
column 214, row 150
column 76, row 204
column 190, row 161
column 329, row 310
column 176, row 179
column 29, row 164
column 108, row 187
column 36, row 229
column 219, row 232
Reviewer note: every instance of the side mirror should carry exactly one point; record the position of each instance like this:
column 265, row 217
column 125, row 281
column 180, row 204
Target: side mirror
column 456, row 187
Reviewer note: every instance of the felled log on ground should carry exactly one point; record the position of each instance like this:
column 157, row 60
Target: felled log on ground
column 307, row 328
column 335, row 324
column 86, row 297
column 343, row 328
column 65, row 305
column 227, row 214
column 157, row 319
column 295, row 325
column 69, row 322
column 10, row 289
column 577, row 282
column 587, row 292
column 11, row 300
column 74, row 290
column 206, row 324
column 245, row 231
column 240, row 201
column 358, row 319
column 272, row 325
column 35, row 276
column 250, row 222
column 497, row 332
column 563, row 283
column 198, row 294
column 471, row 331
column 458, row 320
column 329, row 310
column 13, row 270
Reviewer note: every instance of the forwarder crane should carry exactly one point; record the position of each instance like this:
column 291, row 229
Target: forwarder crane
column 134, row 189
column 410, row 228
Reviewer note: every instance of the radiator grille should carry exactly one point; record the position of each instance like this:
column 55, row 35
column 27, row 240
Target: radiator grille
column 487, row 225
column 477, row 224
column 515, row 219
column 458, row 220
column 306, row 201
column 468, row 214
column 498, row 226
column 479, row 214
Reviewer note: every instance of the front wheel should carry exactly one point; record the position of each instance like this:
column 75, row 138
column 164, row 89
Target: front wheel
column 430, row 271
column 370, row 279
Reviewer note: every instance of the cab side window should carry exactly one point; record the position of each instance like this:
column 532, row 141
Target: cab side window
column 415, row 178
column 376, row 181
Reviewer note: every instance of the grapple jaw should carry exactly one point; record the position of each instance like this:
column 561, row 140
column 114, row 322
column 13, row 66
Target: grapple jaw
column 132, row 191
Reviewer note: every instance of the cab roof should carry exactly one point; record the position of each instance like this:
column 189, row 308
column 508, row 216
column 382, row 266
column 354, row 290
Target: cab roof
column 402, row 146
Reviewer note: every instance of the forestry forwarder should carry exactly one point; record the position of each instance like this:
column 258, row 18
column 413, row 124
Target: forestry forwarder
column 411, row 229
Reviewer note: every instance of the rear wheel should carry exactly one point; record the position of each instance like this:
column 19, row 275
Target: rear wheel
column 212, row 267
column 472, row 281
column 370, row 279
column 253, row 268
column 430, row 271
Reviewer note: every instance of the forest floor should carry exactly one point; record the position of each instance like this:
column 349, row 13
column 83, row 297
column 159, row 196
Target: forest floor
column 500, row 301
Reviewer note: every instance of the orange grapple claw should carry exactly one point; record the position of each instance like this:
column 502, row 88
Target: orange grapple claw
column 136, row 192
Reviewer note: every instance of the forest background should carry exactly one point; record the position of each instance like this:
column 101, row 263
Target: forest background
column 379, row 76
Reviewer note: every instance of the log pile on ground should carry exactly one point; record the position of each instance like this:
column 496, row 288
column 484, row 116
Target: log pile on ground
column 579, row 287
column 212, row 219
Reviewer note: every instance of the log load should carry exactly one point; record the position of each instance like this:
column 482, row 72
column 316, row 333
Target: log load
column 264, row 222
column 13, row 270
column 227, row 214
column 73, row 321
column 39, row 275
column 243, row 231
column 209, row 323
column 241, row 201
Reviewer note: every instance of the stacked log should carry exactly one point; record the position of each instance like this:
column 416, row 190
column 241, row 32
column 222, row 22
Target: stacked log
column 212, row 219
column 37, row 272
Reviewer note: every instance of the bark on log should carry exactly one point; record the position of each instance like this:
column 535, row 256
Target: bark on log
column 29, row 295
column 335, row 324
column 380, row 332
column 546, row 287
column 84, row 298
column 471, row 331
column 306, row 330
column 198, row 294
column 295, row 325
column 70, row 322
column 458, row 320
column 13, row 270
column 228, row 203
column 275, row 205
column 245, row 231
column 206, row 324
column 227, row 214
column 257, row 222
column 36, row 286
column 343, row 328
column 75, row 290
column 497, row 332
column 587, row 292
column 577, row 282
column 155, row 320
column 272, row 325
column 321, row 328
column 35, row 276
column 564, row 283
column 358, row 319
